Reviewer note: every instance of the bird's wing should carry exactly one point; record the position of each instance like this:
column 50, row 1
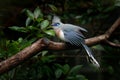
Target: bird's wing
column 75, row 27
column 73, row 37
column 72, row 30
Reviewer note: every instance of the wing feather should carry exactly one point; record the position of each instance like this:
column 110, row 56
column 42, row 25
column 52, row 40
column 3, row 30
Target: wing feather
column 75, row 27
column 73, row 37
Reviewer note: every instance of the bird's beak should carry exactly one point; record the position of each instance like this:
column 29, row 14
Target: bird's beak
column 52, row 24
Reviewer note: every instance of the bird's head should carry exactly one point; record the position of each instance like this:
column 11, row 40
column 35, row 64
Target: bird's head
column 56, row 23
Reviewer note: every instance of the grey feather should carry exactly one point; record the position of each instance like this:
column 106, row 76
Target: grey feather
column 56, row 19
column 72, row 37
column 75, row 27
column 89, row 52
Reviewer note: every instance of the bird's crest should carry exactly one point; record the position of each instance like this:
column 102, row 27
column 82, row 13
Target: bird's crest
column 56, row 19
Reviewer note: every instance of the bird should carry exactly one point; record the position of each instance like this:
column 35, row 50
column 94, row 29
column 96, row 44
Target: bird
column 72, row 34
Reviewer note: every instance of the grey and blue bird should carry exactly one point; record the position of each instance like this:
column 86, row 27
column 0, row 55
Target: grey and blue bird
column 73, row 35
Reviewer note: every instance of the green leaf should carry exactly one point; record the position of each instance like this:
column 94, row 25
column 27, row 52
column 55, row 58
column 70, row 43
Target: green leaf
column 110, row 69
column 44, row 53
column 44, row 24
column 53, row 8
column 20, row 39
column 81, row 77
column 58, row 73
column 98, row 47
column 75, row 69
column 14, row 28
column 66, row 68
column 48, row 58
column 39, row 35
column 117, row 3
column 32, row 28
column 30, row 14
column 37, row 13
column 50, row 32
column 59, row 66
column 28, row 20
column 20, row 29
column 108, row 9
column 39, row 19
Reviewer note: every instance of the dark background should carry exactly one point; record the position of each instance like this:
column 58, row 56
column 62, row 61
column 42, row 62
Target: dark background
column 95, row 15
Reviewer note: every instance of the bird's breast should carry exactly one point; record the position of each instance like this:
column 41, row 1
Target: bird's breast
column 60, row 34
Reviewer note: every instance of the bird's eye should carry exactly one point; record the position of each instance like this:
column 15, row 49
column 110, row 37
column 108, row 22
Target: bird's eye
column 56, row 24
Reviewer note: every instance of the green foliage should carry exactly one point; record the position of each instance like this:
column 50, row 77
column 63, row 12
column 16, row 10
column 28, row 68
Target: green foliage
column 69, row 73
column 36, row 26
column 99, row 47
column 96, row 12
column 9, row 48
column 54, row 9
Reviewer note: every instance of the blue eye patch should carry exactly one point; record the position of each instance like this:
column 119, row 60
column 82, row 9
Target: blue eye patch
column 56, row 24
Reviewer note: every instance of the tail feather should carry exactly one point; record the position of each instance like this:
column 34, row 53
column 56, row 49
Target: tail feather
column 89, row 52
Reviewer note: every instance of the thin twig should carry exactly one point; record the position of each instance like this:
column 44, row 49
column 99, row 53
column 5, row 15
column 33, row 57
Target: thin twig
column 112, row 44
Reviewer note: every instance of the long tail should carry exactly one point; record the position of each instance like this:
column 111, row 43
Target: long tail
column 89, row 52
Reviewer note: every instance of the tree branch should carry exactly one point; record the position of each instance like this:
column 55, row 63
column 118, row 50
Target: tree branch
column 112, row 44
column 41, row 44
column 104, row 36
